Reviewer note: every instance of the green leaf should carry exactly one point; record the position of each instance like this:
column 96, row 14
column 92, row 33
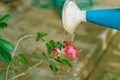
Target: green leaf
column 56, row 44
column 67, row 62
column 64, row 61
column 58, row 60
column 23, row 59
column 49, row 48
column 1, row 77
column 40, row 36
column 53, row 43
column 5, row 17
column 53, row 67
column 3, row 25
column 5, row 49
column 5, row 57
column 45, row 56
column 4, row 44
column 35, row 55
column 59, row 45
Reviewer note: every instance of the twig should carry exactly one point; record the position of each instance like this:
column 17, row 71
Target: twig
column 7, row 72
column 28, row 70
column 13, row 53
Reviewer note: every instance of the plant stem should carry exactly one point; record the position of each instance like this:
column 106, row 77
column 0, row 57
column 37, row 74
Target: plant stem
column 13, row 53
column 28, row 70
column 7, row 72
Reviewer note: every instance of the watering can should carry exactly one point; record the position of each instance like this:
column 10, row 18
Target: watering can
column 72, row 16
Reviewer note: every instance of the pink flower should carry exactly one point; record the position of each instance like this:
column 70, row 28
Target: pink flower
column 57, row 50
column 70, row 50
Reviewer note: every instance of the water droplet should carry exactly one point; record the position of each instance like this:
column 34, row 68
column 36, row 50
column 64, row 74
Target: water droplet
column 72, row 36
column 75, row 74
column 77, row 69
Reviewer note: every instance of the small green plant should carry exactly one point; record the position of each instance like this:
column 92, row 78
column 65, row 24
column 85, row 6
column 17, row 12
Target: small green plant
column 57, row 54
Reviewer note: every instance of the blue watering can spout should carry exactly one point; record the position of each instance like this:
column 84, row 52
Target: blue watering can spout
column 106, row 17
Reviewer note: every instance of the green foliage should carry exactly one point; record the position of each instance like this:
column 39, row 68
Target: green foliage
column 49, row 57
column 45, row 56
column 64, row 61
column 52, row 44
column 49, row 48
column 40, row 36
column 3, row 25
column 1, row 77
column 50, row 62
column 5, row 49
column 67, row 62
column 35, row 55
column 53, row 67
column 56, row 44
column 3, row 19
column 22, row 59
column 6, row 45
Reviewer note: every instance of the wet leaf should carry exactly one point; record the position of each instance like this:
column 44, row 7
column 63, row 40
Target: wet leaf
column 52, row 42
column 5, row 17
column 58, row 60
column 67, row 62
column 56, row 44
column 59, row 45
column 35, row 55
column 53, row 67
column 51, row 45
column 1, row 77
column 23, row 59
column 40, row 36
column 64, row 61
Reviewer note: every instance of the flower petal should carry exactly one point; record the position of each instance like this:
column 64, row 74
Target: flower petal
column 70, row 50
column 57, row 50
column 67, row 43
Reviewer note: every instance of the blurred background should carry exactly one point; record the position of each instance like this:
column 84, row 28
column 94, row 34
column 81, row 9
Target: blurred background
column 100, row 55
